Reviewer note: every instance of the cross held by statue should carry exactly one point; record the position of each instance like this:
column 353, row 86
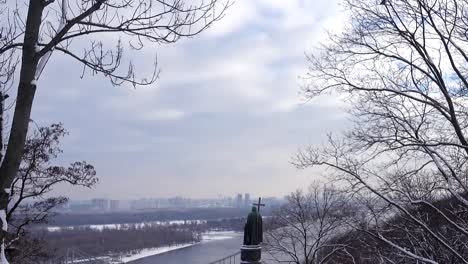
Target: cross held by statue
column 259, row 204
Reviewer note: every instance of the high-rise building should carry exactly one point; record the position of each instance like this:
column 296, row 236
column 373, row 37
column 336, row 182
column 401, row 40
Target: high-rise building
column 246, row 200
column 114, row 205
column 100, row 204
column 239, row 200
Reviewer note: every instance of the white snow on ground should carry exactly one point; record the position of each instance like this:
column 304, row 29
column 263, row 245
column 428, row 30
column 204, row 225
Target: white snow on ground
column 106, row 259
column 218, row 235
column 126, row 226
column 153, row 251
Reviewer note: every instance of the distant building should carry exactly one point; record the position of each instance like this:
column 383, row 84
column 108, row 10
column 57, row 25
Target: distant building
column 136, row 204
column 114, row 205
column 239, row 200
column 80, row 206
column 247, row 200
column 149, row 203
column 178, row 202
column 100, row 204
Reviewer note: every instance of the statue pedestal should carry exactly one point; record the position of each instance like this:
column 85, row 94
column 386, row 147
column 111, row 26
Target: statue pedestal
column 251, row 254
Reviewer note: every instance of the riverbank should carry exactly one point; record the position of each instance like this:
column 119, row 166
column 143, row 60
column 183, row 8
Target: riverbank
column 201, row 253
column 126, row 226
column 206, row 237
column 147, row 252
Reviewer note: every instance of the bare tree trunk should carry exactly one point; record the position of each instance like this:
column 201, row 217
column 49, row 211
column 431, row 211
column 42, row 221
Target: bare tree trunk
column 24, row 100
column 2, row 99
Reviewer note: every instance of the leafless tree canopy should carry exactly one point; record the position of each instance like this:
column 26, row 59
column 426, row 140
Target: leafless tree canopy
column 302, row 230
column 31, row 201
column 402, row 66
column 86, row 32
column 95, row 34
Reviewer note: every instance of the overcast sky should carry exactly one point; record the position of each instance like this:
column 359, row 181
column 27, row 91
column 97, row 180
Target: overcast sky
column 224, row 117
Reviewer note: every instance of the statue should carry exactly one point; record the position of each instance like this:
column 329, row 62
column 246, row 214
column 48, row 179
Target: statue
column 251, row 251
column 253, row 229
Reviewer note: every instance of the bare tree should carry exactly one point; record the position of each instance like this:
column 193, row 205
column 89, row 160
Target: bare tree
column 301, row 231
column 31, row 30
column 31, row 201
column 403, row 68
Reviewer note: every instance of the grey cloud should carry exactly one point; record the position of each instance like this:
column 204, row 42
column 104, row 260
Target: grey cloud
column 225, row 110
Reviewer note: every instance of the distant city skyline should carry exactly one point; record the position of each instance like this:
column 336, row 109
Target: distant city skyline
column 111, row 205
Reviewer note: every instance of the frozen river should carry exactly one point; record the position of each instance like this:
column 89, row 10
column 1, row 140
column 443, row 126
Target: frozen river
column 203, row 253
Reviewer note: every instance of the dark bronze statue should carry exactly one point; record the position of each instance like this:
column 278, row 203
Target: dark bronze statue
column 253, row 229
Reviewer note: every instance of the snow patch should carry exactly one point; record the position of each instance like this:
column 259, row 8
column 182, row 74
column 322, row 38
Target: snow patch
column 154, row 251
column 3, row 152
column 128, row 225
column 44, row 59
column 3, row 259
column 218, row 235
column 4, row 221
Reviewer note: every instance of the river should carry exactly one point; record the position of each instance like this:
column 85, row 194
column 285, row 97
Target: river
column 203, row 253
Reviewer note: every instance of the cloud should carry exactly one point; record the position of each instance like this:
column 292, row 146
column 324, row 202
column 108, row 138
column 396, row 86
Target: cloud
column 237, row 16
column 164, row 115
column 226, row 110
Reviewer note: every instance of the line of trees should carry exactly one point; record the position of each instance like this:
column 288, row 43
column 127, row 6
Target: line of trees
column 120, row 241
